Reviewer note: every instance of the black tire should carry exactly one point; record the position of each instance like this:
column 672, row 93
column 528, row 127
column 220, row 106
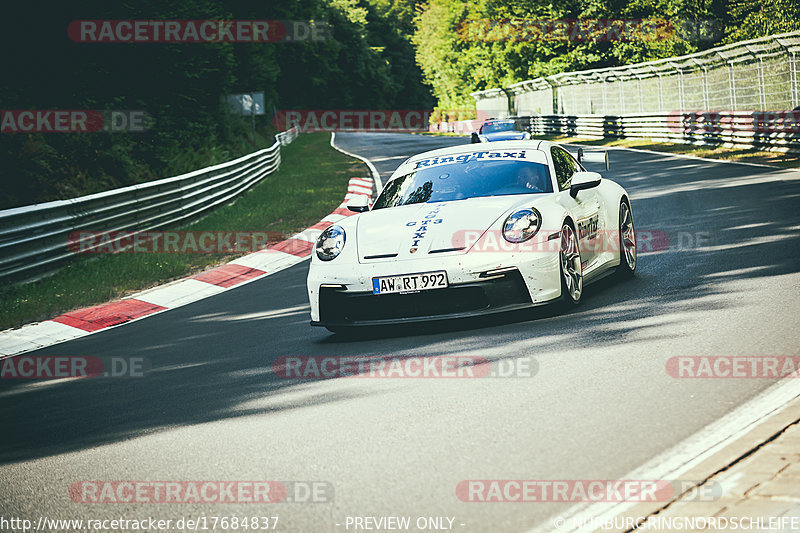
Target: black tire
column 626, row 241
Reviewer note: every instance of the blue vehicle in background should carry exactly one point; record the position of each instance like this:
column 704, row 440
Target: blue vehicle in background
column 507, row 129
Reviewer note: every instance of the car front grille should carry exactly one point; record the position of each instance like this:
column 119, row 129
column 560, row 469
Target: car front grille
column 338, row 306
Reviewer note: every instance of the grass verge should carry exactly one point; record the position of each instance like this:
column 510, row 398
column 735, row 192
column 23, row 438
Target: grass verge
column 310, row 183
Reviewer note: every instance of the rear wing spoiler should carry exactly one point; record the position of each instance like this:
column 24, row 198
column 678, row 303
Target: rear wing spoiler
column 594, row 157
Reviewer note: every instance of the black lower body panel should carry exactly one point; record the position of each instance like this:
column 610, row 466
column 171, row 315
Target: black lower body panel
column 505, row 292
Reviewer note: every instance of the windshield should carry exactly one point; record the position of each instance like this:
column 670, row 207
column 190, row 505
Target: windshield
column 458, row 181
column 495, row 126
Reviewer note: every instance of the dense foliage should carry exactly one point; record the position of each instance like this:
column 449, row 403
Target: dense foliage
column 383, row 54
column 368, row 63
column 457, row 61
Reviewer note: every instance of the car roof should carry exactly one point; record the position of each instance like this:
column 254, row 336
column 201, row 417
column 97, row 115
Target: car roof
column 473, row 147
column 470, row 147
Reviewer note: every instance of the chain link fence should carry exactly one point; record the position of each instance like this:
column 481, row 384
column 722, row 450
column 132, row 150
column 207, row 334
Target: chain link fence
column 757, row 75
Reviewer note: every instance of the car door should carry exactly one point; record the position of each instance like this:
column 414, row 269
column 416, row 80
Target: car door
column 585, row 208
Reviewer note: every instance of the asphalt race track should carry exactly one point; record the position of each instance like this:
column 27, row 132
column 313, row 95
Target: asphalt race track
column 600, row 404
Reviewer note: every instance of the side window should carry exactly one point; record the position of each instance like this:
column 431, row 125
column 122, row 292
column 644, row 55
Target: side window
column 565, row 165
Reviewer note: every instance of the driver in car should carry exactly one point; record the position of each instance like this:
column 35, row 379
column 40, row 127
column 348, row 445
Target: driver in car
column 528, row 178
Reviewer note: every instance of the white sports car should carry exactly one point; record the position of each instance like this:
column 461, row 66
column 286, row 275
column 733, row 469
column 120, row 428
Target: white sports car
column 470, row 230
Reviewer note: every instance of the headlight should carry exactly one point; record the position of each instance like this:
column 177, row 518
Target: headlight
column 330, row 243
column 522, row 225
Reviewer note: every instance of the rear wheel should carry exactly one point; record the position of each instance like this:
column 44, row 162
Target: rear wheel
column 571, row 267
column 627, row 241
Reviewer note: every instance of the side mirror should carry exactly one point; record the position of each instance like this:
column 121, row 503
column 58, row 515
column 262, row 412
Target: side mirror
column 359, row 204
column 582, row 181
column 475, row 138
column 594, row 157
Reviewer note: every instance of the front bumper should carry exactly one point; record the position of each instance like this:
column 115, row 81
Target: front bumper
column 339, row 297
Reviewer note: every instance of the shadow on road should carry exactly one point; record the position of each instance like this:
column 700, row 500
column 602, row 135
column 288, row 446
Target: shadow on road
column 210, row 359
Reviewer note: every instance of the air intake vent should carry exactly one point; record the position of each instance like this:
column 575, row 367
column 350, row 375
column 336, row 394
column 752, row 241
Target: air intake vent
column 443, row 250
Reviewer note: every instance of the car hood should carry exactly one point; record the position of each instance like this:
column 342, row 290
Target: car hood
column 418, row 230
column 505, row 136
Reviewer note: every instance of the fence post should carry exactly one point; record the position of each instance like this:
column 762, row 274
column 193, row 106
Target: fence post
column 732, row 85
column 574, row 99
column 554, row 93
column 793, row 78
column 762, row 89
column 660, row 94
column 603, row 89
column 641, row 98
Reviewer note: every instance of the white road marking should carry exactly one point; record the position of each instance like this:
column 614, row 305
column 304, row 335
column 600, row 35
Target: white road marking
column 687, row 454
column 374, row 171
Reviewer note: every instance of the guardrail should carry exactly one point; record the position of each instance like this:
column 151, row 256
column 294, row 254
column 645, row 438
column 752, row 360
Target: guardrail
column 286, row 137
column 777, row 132
column 34, row 239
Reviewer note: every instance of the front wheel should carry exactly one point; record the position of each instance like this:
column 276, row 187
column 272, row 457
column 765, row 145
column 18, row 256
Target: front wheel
column 627, row 241
column 571, row 267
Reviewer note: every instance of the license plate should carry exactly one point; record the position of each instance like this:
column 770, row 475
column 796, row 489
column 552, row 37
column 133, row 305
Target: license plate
column 423, row 281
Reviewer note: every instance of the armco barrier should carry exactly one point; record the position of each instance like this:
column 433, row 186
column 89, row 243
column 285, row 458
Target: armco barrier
column 33, row 239
column 779, row 132
column 244, row 269
column 287, row 136
column 768, row 131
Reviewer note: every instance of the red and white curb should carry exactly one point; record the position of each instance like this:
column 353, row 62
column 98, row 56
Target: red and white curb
column 245, row 269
